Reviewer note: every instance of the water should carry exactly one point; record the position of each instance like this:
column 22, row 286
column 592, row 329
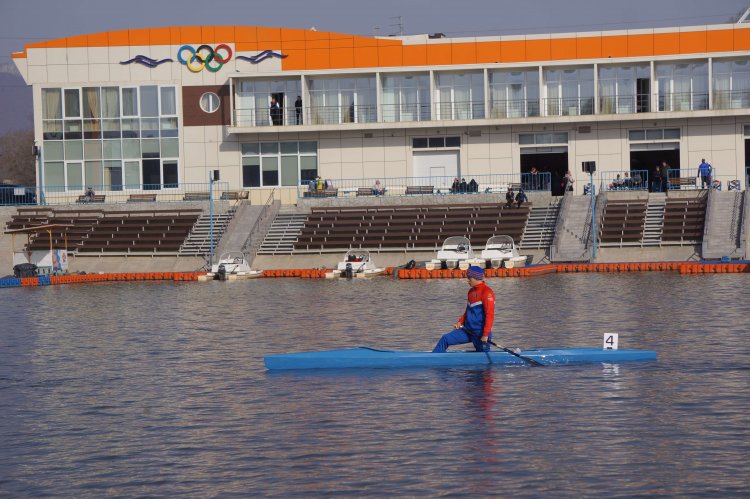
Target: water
column 158, row 389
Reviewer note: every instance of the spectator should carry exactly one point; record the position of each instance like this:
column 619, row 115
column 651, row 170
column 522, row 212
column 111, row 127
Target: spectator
column 535, row 182
column 627, row 182
column 329, row 183
column 656, row 182
column 665, row 175
column 637, row 181
column 298, row 109
column 454, row 187
column 311, row 186
column 616, row 184
column 509, row 198
column 568, row 181
column 473, row 186
column 275, row 112
column 521, row 198
column 377, row 189
column 89, row 196
column 462, row 186
column 704, row 172
column 319, row 182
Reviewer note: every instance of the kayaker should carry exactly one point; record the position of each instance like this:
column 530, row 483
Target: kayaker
column 475, row 325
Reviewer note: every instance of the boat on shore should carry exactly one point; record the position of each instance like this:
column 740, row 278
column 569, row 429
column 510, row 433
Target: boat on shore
column 356, row 263
column 365, row 357
column 501, row 251
column 232, row 266
column 456, row 252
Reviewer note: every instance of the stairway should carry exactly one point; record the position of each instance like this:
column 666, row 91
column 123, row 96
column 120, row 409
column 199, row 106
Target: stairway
column 198, row 241
column 724, row 217
column 283, row 232
column 540, row 228
column 571, row 238
column 654, row 222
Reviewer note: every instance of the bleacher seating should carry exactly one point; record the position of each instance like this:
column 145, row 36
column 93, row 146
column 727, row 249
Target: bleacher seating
column 623, row 221
column 98, row 231
column 408, row 227
column 684, row 219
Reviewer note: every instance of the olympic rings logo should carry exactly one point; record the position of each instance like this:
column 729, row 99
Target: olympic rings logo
column 204, row 56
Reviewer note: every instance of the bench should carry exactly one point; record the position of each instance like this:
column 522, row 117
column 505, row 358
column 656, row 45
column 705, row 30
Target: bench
column 682, row 182
column 196, row 196
column 134, row 198
column 234, row 195
column 98, row 198
column 325, row 193
column 419, row 189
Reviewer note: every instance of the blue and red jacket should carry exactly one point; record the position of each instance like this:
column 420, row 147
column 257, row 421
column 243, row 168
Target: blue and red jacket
column 480, row 310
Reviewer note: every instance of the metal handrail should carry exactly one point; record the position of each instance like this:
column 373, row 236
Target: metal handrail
column 250, row 241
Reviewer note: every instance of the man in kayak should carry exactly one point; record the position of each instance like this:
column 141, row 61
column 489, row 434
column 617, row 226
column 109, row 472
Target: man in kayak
column 475, row 325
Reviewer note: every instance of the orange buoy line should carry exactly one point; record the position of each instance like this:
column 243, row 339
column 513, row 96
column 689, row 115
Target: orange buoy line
column 536, row 270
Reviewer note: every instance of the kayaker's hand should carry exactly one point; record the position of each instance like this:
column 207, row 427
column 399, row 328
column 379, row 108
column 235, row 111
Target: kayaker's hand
column 485, row 339
column 457, row 325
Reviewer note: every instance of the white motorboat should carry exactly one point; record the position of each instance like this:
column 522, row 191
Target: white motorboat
column 455, row 252
column 231, row 266
column 356, row 263
column 502, row 251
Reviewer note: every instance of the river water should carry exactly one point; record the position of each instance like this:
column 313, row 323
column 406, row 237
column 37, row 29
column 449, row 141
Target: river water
column 159, row 389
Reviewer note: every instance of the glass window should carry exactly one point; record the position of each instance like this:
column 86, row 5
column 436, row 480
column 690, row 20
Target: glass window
column 419, row 143
column 671, row 133
column 112, row 149
column 168, row 101
column 169, row 127
column 308, row 168
column 250, row 149
column 72, row 103
column 110, row 102
column 209, row 102
column 436, row 142
column 526, row 138
column 637, row 135
column 53, row 130
column 132, row 173
column 131, row 148
column 453, row 142
column 251, row 171
column 53, row 151
column 75, row 176
column 655, row 134
column 92, row 129
column 131, row 128
column 112, row 175
column 149, row 101
column 150, row 148
column 130, row 102
column 289, row 168
column 51, row 103
column 269, row 148
column 308, row 147
column 54, row 176
column 149, row 128
column 73, row 129
column 92, row 149
column 170, row 174
column 289, row 148
column 270, row 170
column 93, row 174
column 170, row 148
column 73, row 149
column 111, row 129
column 91, row 103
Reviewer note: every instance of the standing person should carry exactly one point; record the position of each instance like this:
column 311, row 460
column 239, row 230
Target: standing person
column 298, row 109
column 463, row 185
column 535, row 182
column 454, row 187
column 665, row 176
column 509, row 198
column 656, row 182
column 704, row 171
column 521, row 198
column 475, row 325
column 568, row 181
column 275, row 112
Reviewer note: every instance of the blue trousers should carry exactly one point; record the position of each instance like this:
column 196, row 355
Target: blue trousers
column 459, row 337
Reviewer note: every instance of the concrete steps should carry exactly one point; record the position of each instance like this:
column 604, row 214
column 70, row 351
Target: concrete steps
column 654, row 222
column 198, row 241
column 283, row 232
column 540, row 228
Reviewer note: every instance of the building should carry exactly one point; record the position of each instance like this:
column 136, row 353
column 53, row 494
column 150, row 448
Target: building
column 158, row 109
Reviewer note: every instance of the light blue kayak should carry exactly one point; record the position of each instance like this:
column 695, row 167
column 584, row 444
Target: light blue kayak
column 364, row 357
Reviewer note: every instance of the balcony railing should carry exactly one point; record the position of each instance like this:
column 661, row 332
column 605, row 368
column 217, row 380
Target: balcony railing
column 406, row 112
column 624, row 104
column 627, row 180
column 335, row 115
column 460, row 110
column 689, row 178
column 683, row 101
column 517, row 108
column 289, row 116
column 568, row 106
column 732, row 99
column 403, row 186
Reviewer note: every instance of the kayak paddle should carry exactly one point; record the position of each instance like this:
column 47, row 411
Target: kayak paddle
column 526, row 359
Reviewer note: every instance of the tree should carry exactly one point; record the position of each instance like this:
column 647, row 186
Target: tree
column 17, row 163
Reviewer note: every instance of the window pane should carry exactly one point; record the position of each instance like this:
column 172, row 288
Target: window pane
column 526, row 138
column 656, row 134
column 149, row 128
column 92, row 149
column 110, row 102
column 112, row 149
column 72, row 103
column 170, row 148
column 251, row 172
column 453, row 142
column 168, row 103
column 130, row 102
column 169, row 127
column 671, row 133
column 53, row 130
column 132, row 174
column 72, row 129
column 92, row 129
column 289, row 170
column 419, row 143
column 560, row 138
column 436, row 142
column 131, row 128
column 93, row 174
column 151, row 169
column 91, row 104
column 308, row 147
column 111, row 129
column 73, row 149
column 308, row 168
column 75, row 176
column 270, row 170
column 51, row 103
column 54, row 176
column 170, row 174
column 250, row 149
column 637, row 135
column 131, row 148
column 149, row 101
column 53, row 151
column 269, row 148
column 150, row 148
column 288, row 148
column 112, row 175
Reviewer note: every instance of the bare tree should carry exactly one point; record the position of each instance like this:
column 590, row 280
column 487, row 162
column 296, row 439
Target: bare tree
column 17, row 163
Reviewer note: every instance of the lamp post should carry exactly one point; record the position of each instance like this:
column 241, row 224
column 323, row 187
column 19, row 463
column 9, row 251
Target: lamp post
column 37, row 151
column 211, row 217
column 593, row 212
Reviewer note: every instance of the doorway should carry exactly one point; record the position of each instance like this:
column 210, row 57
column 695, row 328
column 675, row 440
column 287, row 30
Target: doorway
column 547, row 159
column 648, row 159
column 437, row 168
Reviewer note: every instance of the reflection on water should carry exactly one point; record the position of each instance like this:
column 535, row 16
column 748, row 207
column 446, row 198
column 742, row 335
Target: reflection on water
column 159, row 389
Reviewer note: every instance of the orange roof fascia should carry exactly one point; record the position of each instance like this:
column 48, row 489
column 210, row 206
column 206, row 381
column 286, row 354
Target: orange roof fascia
column 327, row 53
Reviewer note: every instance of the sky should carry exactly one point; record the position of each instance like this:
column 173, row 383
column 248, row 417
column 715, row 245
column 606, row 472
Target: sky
column 28, row 21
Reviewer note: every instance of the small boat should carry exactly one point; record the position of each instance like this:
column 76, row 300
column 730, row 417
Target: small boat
column 232, row 266
column 356, row 263
column 456, row 252
column 499, row 251
column 364, row 357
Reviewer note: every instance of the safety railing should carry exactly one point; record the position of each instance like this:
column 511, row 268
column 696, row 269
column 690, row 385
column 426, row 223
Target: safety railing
column 137, row 193
column 689, row 178
column 568, row 106
column 731, row 99
column 459, row 110
column 288, row 116
column 406, row 112
column 683, row 101
column 626, row 180
column 443, row 185
column 624, row 104
column 515, row 108
column 335, row 115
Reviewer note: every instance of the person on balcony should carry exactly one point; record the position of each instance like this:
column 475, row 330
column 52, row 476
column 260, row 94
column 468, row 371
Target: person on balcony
column 298, row 109
column 275, row 112
column 704, row 172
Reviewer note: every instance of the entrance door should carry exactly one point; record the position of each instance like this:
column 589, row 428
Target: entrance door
column 435, row 168
column 648, row 156
column 547, row 159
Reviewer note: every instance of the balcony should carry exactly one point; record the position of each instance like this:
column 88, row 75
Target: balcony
column 683, row 101
column 624, row 104
column 516, row 108
column 569, row 106
column 732, row 99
